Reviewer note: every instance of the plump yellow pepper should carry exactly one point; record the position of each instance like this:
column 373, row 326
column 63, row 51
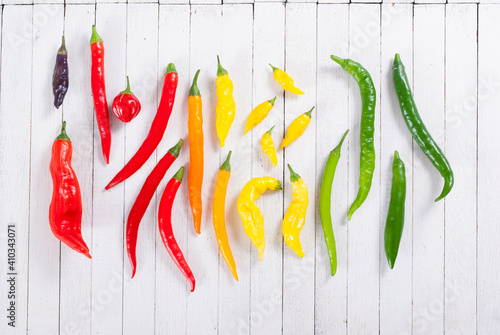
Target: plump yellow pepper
column 285, row 81
column 295, row 216
column 253, row 221
column 258, row 114
column 267, row 144
column 226, row 108
column 297, row 128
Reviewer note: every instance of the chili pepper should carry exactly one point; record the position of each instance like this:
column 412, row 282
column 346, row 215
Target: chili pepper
column 60, row 79
column 267, row 144
column 285, row 81
column 325, row 202
column 226, row 107
column 195, row 134
column 144, row 198
column 250, row 214
column 126, row 106
column 156, row 131
column 219, row 220
column 367, row 153
column 65, row 211
column 417, row 128
column 295, row 216
column 99, row 92
column 297, row 128
column 165, row 226
column 258, row 114
column 396, row 214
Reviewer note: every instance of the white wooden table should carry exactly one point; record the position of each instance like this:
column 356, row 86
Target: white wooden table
column 446, row 275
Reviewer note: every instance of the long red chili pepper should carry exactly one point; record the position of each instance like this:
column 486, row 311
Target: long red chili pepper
column 155, row 132
column 143, row 199
column 99, row 92
column 65, row 211
column 165, row 226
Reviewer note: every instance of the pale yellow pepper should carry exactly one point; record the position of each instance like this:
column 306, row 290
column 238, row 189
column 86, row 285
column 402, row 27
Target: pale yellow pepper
column 253, row 221
column 285, row 81
column 258, row 114
column 267, row 144
column 297, row 128
column 295, row 216
column 226, row 108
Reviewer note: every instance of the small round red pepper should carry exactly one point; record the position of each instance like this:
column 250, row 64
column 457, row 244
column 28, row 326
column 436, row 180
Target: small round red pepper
column 126, row 106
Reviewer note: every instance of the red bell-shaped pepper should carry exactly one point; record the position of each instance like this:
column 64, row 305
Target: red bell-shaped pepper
column 126, row 106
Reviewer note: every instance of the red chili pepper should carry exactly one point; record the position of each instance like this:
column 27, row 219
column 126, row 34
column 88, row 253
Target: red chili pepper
column 165, row 226
column 141, row 203
column 155, row 132
column 126, row 106
column 99, row 92
column 65, row 211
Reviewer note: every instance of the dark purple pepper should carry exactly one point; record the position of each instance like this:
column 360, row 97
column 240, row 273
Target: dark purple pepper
column 60, row 77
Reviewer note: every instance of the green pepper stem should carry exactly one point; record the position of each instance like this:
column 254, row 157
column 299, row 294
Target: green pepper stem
column 278, row 185
column 293, row 176
column 95, row 36
column 338, row 60
column 396, row 155
column 170, row 69
column 220, row 70
column 339, row 146
column 62, row 49
column 178, row 175
column 127, row 90
column 194, row 91
column 272, row 101
column 63, row 136
column 226, row 166
column 397, row 62
column 174, row 151
column 309, row 113
column 270, row 130
column 274, row 68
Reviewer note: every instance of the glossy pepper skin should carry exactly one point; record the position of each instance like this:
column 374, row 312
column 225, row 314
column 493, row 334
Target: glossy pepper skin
column 226, row 108
column 99, row 92
column 195, row 134
column 219, row 214
column 65, row 211
column 165, row 226
column 258, row 114
column 297, row 128
column 60, row 80
column 144, row 198
column 295, row 216
column 253, row 221
column 285, row 81
column 267, row 144
column 156, row 131
column 126, row 106
column 396, row 214
column 325, row 203
column 367, row 152
column 417, row 128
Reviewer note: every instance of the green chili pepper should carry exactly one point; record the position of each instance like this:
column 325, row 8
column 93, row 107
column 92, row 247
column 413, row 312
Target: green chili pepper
column 367, row 153
column 417, row 128
column 325, row 202
column 396, row 214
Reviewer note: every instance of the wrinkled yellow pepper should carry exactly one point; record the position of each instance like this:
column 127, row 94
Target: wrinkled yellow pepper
column 226, row 108
column 253, row 221
column 267, row 144
column 258, row 114
column 285, row 81
column 297, row 128
column 295, row 216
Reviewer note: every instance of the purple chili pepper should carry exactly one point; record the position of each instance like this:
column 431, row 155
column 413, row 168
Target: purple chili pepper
column 60, row 76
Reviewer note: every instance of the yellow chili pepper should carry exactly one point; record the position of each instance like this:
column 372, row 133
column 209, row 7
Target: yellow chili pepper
column 267, row 145
column 285, row 81
column 258, row 114
column 226, row 108
column 250, row 214
column 297, row 128
column 295, row 216
column 218, row 210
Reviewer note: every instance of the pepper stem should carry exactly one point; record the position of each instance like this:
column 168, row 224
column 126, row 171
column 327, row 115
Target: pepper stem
column 170, row 68
column 396, row 155
column 178, row 175
column 63, row 136
column 274, row 68
column 293, row 176
column 194, row 91
column 220, row 70
column 309, row 113
column 226, row 166
column 270, row 130
column 338, row 60
column 397, row 62
column 272, row 101
column 95, row 36
column 176, row 149
column 339, row 146
column 62, row 49
column 127, row 90
column 278, row 185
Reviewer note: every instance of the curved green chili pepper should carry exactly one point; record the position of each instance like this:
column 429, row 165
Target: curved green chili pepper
column 396, row 214
column 367, row 153
column 325, row 202
column 417, row 128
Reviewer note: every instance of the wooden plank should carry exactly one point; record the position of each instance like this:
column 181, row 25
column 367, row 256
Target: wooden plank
column 108, row 214
column 78, row 112
column 43, row 302
column 395, row 284
column 266, row 276
column 79, row 2
column 332, row 101
column 205, row 2
column 364, row 227
column 171, row 288
column 428, row 217
column 15, row 106
column 300, row 63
